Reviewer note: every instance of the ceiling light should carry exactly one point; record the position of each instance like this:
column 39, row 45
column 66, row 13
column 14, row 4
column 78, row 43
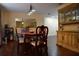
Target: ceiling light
column 31, row 10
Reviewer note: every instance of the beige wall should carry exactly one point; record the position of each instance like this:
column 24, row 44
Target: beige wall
column 4, row 17
column 24, row 16
column 9, row 18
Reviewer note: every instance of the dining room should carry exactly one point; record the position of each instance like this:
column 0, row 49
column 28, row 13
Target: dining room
column 30, row 29
column 26, row 17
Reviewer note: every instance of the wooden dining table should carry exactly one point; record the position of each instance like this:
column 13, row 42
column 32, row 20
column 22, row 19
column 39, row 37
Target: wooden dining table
column 29, row 35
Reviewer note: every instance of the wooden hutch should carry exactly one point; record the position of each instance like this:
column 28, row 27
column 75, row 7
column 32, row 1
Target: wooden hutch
column 68, row 26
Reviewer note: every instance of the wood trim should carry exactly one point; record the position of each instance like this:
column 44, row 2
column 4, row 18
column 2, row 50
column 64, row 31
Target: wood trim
column 68, row 47
column 67, row 7
column 69, row 31
column 63, row 5
column 70, row 22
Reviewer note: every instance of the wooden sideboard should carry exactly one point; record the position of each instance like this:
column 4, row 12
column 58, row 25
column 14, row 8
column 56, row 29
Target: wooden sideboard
column 68, row 39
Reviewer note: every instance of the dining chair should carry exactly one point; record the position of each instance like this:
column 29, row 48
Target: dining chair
column 42, row 35
column 39, row 44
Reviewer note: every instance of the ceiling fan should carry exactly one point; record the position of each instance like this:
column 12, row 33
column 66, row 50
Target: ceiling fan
column 31, row 10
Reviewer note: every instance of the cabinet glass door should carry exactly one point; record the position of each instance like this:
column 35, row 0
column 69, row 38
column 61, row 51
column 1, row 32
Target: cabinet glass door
column 77, row 14
column 73, row 15
column 61, row 17
column 68, row 16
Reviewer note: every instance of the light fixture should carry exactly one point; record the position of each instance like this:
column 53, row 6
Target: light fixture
column 22, row 22
column 31, row 10
column 18, row 19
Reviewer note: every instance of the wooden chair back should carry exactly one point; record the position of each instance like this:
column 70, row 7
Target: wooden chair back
column 43, row 31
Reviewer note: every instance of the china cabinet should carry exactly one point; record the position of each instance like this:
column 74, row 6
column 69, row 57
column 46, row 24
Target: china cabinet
column 68, row 27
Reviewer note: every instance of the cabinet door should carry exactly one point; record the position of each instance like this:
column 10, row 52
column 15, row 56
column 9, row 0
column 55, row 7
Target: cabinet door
column 66, row 38
column 60, row 37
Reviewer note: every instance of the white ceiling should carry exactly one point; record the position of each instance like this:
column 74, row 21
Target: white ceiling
column 42, row 8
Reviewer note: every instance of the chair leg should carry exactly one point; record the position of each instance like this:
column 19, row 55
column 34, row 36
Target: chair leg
column 43, row 51
column 17, row 49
